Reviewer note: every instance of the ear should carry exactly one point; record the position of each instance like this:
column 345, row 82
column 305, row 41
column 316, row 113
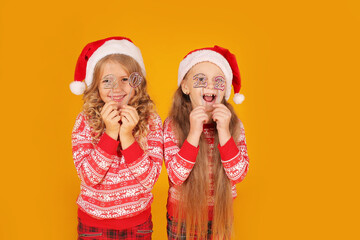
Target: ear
column 184, row 87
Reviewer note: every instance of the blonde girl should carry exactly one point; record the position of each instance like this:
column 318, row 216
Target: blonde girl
column 117, row 142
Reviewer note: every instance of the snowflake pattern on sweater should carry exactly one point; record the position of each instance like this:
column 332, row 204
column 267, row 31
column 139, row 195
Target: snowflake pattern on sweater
column 116, row 184
column 180, row 161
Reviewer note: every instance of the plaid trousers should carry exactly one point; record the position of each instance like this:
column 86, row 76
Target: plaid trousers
column 142, row 231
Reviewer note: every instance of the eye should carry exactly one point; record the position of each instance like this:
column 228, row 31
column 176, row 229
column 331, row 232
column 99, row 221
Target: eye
column 200, row 81
column 106, row 82
column 124, row 79
column 219, row 83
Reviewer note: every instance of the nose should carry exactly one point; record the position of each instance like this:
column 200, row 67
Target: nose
column 210, row 84
column 117, row 86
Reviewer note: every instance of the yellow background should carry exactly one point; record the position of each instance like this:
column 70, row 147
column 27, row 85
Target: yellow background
column 299, row 62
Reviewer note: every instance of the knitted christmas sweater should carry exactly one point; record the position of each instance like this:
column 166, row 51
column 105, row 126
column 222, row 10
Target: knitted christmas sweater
column 116, row 184
column 180, row 161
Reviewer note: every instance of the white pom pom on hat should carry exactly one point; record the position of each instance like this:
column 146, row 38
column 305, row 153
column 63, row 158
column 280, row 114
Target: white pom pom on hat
column 238, row 98
column 77, row 87
column 94, row 52
column 224, row 59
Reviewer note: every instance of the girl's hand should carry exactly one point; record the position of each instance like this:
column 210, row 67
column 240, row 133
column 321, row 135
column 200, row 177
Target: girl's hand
column 198, row 117
column 130, row 119
column 110, row 116
column 222, row 116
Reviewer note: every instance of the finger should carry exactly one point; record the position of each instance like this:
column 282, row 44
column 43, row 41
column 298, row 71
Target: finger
column 220, row 106
column 204, row 119
column 199, row 108
column 217, row 116
column 201, row 115
column 197, row 115
column 128, row 107
column 112, row 114
column 128, row 117
column 105, row 109
column 116, row 118
column 221, row 111
column 110, row 109
column 128, row 114
column 132, row 111
column 220, row 114
column 224, row 111
column 108, row 116
column 106, row 106
column 124, row 119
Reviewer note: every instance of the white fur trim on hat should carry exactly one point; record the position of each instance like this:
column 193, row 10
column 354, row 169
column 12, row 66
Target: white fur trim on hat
column 238, row 98
column 77, row 87
column 207, row 56
column 113, row 47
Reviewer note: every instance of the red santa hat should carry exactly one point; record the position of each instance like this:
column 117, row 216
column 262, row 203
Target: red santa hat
column 224, row 59
column 94, row 52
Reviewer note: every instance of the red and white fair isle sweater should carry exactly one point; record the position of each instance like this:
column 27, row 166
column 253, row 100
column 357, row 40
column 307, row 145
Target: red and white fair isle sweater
column 116, row 185
column 180, row 161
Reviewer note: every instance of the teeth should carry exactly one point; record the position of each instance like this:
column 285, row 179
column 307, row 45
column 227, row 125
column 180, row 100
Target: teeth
column 209, row 95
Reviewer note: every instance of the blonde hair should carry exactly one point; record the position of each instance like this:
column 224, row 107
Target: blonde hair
column 141, row 100
column 194, row 192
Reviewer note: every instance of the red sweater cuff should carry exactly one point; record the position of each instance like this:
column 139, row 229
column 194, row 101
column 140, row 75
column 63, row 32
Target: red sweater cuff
column 108, row 144
column 188, row 151
column 132, row 153
column 229, row 150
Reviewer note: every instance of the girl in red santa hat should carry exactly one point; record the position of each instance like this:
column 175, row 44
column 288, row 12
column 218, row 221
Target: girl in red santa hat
column 117, row 142
column 204, row 147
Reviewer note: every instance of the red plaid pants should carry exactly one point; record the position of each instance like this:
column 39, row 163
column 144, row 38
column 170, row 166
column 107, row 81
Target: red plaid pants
column 142, row 231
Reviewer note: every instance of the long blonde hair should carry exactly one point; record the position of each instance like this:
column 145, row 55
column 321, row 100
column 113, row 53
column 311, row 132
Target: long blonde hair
column 141, row 99
column 194, row 192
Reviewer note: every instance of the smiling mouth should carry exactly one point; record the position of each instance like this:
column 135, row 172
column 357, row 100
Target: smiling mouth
column 118, row 98
column 209, row 97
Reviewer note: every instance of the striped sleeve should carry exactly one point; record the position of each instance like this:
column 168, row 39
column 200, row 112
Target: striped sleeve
column 234, row 157
column 178, row 161
column 92, row 161
column 146, row 165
